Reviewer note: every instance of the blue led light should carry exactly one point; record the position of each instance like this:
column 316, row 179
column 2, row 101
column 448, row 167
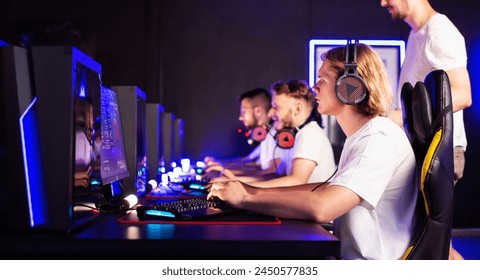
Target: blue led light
column 95, row 182
column 159, row 213
column 197, row 187
column 33, row 167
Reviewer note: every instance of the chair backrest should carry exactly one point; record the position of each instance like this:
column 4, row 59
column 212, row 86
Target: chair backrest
column 428, row 122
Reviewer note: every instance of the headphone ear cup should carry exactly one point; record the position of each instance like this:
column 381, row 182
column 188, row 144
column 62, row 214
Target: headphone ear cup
column 285, row 138
column 259, row 134
column 351, row 89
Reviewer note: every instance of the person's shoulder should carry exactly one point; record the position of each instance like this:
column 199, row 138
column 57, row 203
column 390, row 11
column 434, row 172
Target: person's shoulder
column 314, row 127
column 385, row 125
column 440, row 23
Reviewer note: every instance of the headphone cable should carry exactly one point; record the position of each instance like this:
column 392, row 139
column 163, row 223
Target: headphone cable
column 326, row 181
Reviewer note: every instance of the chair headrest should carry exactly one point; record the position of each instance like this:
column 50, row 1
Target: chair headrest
column 424, row 108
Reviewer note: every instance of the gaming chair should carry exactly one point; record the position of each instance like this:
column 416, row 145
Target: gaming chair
column 428, row 122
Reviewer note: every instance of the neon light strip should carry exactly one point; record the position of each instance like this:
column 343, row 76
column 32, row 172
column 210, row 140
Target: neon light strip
column 159, row 213
column 25, row 162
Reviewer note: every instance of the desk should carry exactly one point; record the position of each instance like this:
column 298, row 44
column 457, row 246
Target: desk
column 106, row 238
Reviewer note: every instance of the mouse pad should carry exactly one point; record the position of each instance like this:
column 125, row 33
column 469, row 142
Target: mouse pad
column 242, row 218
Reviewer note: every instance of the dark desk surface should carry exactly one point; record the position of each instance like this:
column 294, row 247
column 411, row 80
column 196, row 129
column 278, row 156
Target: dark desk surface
column 106, row 238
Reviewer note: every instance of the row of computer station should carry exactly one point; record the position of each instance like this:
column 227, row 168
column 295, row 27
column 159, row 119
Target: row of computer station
column 72, row 147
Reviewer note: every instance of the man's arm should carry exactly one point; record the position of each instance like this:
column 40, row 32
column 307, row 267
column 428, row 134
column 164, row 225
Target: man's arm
column 460, row 87
column 296, row 202
column 461, row 93
column 301, row 171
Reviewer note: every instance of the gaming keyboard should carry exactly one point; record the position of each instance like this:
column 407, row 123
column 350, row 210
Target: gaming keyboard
column 185, row 209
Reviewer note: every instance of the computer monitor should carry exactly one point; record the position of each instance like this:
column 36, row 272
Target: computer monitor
column 113, row 167
column 21, row 171
column 67, row 85
column 156, row 160
column 132, row 103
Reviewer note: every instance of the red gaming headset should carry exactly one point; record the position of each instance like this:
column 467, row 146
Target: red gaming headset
column 350, row 87
column 285, row 137
column 259, row 133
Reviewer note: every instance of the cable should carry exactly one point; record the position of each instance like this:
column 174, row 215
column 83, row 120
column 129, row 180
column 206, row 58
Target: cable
column 326, row 181
column 275, row 161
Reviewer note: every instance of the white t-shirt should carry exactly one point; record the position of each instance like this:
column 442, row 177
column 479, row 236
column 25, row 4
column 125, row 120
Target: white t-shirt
column 269, row 151
column 312, row 143
column 437, row 45
column 378, row 164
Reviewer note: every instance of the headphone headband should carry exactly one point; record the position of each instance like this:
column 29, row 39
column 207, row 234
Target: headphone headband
column 351, row 57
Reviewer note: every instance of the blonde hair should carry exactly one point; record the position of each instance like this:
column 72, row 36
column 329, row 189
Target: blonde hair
column 372, row 70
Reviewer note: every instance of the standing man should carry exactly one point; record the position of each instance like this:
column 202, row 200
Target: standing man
column 435, row 43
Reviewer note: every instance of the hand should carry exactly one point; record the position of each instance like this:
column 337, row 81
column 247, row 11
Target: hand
column 208, row 187
column 82, row 179
column 210, row 161
column 231, row 192
column 220, row 171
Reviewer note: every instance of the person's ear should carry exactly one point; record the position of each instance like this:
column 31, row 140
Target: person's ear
column 257, row 111
column 297, row 108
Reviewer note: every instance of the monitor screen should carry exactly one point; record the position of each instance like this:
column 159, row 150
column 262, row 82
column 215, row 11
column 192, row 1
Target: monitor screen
column 113, row 162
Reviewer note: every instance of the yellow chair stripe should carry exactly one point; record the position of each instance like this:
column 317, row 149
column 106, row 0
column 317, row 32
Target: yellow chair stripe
column 426, row 165
column 407, row 253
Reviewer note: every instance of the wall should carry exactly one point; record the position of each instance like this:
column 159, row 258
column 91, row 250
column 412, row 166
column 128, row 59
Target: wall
column 196, row 56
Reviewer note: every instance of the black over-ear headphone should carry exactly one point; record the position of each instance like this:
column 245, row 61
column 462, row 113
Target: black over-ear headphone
column 259, row 133
column 285, row 137
column 350, row 87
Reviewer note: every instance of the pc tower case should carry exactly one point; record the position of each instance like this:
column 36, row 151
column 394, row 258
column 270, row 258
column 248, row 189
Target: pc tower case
column 156, row 161
column 62, row 73
column 22, row 190
column 168, row 123
column 132, row 103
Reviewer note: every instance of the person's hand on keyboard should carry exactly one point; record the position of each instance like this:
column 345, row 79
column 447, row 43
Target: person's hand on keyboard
column 231, row 192
column 220, row 172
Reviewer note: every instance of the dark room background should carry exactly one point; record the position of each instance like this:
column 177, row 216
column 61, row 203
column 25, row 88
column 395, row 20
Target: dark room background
column 196, row 56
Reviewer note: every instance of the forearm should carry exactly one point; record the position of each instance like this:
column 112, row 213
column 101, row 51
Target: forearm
column 299, row 205
column 460, row 99
column 285, row 189
column 460, row 88
column 256, row 178
column 278, row 182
